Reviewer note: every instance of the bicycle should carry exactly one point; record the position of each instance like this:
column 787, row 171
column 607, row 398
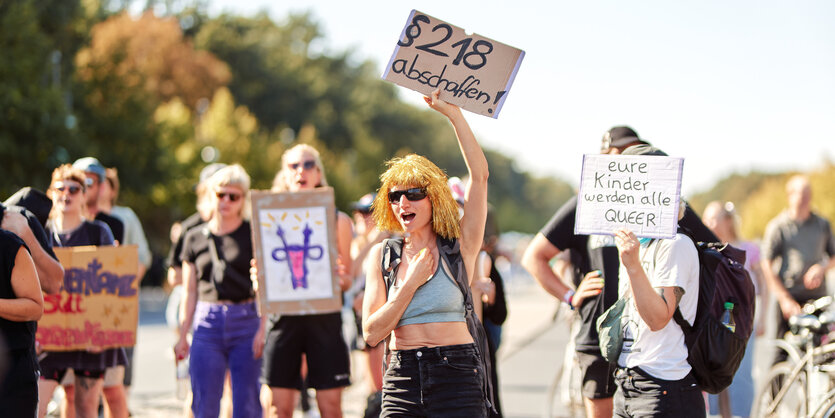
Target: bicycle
column 799, row 387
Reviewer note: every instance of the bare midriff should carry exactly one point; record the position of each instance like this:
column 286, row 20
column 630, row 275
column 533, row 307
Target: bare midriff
column 433, row 334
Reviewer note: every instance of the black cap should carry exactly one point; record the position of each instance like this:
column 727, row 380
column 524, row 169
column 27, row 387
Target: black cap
column 619, row 137
column 33, row 200
column 364, row 204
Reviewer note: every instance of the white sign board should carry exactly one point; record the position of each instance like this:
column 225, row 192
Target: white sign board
column 637, row 192
column 473, row 72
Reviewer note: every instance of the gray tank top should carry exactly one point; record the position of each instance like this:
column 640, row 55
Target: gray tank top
column 437, row 300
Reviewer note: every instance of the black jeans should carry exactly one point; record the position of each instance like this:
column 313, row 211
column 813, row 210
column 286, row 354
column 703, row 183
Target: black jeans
column 434, row 382
column 640, row 395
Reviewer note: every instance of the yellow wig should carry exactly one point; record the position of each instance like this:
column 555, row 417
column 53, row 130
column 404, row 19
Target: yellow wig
column 417, row 171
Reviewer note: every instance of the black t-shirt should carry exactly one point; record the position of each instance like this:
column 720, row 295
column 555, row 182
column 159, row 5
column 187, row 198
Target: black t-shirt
column 598, row 252
column 18, row 335
column 116, row 226
column 175, row 255
column 34, row 225
column 234, row 250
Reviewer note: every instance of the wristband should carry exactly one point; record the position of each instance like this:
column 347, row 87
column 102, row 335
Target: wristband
column 568, row 297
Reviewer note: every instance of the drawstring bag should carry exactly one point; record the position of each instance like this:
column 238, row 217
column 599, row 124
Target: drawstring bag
column 610, row 330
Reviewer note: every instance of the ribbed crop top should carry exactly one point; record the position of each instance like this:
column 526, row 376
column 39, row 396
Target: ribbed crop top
column 437, row 300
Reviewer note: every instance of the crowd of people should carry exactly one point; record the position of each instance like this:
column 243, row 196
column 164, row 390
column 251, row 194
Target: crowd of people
column 416, row 265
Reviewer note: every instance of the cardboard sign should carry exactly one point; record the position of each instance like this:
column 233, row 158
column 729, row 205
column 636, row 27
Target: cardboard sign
column 473, row 72
column 99, row 304
column 638, row 192
column 294, row 238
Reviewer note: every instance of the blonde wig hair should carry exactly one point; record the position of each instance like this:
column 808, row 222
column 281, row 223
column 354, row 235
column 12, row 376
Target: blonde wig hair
column 67, row 172
column 417, row 171
column 281, row 182
column 233, row 175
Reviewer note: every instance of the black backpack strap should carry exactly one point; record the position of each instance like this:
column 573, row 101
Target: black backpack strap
column 390, row 256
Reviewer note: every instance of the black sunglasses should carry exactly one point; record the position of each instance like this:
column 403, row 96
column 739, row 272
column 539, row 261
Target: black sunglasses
column 72, row 189
column 233, row 197
column 413, row 195
column 307, row 165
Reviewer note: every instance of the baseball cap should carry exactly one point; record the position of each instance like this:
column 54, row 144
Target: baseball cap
column 618, row 137
column 364, row 204
column 34, row 201
column 91, row 165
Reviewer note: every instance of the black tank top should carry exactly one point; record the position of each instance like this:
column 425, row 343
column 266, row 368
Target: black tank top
column 18, row 335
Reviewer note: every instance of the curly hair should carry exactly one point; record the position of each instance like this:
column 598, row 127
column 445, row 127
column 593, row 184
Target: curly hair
column 66, row 172
column 417, row 171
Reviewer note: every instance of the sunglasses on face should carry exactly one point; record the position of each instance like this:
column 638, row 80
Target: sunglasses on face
column 307, row 165
column 73, row 189
column 233, row 197
column 413, row 195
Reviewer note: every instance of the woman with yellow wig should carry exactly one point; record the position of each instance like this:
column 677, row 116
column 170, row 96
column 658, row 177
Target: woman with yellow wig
column 417, row 288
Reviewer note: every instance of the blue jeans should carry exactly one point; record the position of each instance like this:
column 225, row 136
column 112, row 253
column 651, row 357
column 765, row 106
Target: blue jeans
column 434, row 382
column 640, row 395
column 223, row 335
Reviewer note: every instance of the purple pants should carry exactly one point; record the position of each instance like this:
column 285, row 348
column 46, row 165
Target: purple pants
column 222, row 340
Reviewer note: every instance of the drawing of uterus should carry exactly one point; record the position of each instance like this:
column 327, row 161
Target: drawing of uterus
column 297, row 255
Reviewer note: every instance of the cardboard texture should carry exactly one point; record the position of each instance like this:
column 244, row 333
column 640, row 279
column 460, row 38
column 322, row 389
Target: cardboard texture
column 638, row 192
column 294, row 240
column 473, row 72
column 99, row 304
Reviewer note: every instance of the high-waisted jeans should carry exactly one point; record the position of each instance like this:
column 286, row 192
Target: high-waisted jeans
column 223, row 335
column 441, row 381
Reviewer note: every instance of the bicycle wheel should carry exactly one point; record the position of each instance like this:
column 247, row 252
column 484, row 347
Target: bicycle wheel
column 792, row 402
column 827, row 407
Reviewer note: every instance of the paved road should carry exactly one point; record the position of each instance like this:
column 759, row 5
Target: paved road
column 531, row 351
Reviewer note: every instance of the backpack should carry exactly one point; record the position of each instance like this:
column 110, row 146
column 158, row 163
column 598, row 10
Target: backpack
column 714, row 351
column 450, row 254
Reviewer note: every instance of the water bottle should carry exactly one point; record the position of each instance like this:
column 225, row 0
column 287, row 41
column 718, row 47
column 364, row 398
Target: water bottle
column 728, row 317
column 183, row 381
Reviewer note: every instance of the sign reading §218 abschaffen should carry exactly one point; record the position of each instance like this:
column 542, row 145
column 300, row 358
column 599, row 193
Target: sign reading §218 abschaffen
column 473, row 72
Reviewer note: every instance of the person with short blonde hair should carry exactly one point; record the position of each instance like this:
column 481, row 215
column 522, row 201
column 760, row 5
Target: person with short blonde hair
column 219, row 302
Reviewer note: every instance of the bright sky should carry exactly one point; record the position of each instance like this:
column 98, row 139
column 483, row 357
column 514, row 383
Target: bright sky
column 729, row 86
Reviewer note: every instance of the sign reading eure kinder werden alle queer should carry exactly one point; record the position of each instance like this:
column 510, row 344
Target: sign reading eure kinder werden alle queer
column 473, row 72
column 638, row 192
column 98, row 306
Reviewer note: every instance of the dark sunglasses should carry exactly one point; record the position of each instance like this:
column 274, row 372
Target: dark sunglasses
column 72, row 189
column 233, row 197
column 307, row 165
column 413, row 195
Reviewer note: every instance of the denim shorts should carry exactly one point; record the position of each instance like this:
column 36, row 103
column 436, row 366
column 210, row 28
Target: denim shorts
column 642, row 395
column 441, row 381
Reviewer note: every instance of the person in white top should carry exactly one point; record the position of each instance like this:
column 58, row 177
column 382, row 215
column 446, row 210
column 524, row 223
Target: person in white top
column 653, row 376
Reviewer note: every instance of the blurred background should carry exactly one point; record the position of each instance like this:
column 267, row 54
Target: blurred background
column 745, row 92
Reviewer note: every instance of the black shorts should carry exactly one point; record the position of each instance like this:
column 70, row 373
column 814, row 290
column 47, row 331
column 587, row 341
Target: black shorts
column 317, row 336
column 598, row 376
column 57, row 374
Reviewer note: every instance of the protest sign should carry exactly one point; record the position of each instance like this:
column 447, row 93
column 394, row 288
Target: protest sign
column 640, row 193
column 99, row 304
column 294, row 238
column 473, row 72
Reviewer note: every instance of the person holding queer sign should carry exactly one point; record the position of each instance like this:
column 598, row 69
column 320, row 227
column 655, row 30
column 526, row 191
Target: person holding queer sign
column 219, row 302
column 67, row 227
column 418, row 289
column 316, row 337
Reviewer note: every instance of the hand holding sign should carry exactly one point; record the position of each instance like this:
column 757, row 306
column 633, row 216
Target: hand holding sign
column 473, row 72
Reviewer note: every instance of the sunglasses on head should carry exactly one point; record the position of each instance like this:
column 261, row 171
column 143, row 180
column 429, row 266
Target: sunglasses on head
column 73, row 189
column 233, row 197
column 307, row 165
column 413, row 195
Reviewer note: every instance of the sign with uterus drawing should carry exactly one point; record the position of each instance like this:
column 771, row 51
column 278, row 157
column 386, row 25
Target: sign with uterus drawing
column 294, row 235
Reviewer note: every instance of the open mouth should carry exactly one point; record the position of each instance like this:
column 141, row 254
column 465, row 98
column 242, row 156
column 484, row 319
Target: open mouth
column 407, row 216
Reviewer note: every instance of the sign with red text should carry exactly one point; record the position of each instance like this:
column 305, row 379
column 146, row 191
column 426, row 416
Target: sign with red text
column 473, row 72
column 294, row 239
column 98, row 306
column 637, row 192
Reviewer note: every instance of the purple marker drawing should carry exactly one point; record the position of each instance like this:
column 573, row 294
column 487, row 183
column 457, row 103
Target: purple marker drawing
column 297, row 255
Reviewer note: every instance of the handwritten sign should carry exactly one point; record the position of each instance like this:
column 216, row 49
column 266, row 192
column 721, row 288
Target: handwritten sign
column 639, row 192
column 473, row 72
column 99, row 304
column 294, row 237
